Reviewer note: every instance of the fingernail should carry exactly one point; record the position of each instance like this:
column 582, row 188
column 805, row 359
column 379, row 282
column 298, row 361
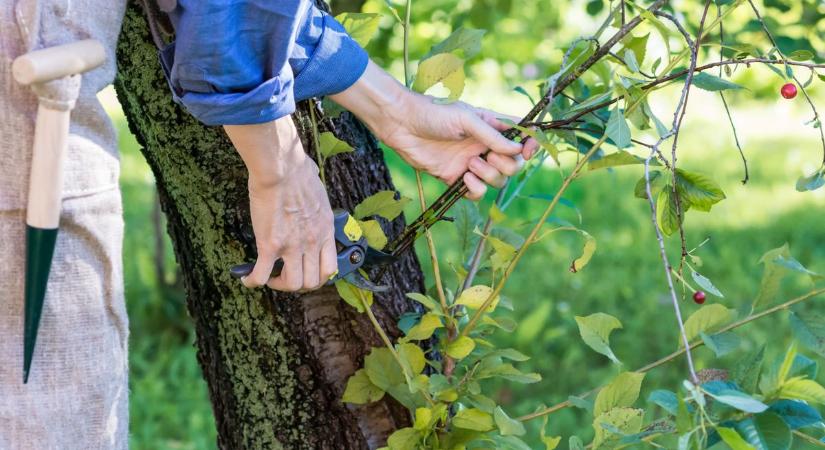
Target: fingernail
column 475, row 161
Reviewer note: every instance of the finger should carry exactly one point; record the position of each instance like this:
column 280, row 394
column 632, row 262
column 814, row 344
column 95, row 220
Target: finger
column 484, row 170
column 329, row 261
column 508, row 166
column 530, row 148
column 291, row 278
column 488, row 135
column 476, row 188
column 262, row 271
column 311, row 270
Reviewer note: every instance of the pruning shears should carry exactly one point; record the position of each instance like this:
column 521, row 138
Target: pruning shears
column 353, row 254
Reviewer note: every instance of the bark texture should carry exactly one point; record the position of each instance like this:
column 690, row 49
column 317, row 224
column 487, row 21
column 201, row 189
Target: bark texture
column 276, row 364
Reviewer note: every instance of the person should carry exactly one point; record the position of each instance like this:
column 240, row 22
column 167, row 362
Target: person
column 238, row 64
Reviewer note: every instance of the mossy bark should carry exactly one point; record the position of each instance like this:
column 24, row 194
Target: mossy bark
column 276, row 364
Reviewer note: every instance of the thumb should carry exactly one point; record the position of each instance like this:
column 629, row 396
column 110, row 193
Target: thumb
column 489, row 136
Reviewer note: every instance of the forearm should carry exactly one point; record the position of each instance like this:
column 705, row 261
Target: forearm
column 269, row 150
column 376, row 98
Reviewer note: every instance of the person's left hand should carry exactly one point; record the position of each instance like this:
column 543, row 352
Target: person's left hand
column 447, row 142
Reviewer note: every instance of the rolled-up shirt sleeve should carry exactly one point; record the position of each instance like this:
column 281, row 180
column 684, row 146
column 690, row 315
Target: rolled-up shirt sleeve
column 244, row 62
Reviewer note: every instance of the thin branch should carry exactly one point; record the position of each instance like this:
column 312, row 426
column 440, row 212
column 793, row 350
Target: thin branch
column 676, row 354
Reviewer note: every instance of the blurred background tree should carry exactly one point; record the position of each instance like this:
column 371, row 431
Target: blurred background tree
column 524, row 42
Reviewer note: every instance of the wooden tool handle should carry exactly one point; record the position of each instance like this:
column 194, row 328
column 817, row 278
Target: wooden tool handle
column 57, row 62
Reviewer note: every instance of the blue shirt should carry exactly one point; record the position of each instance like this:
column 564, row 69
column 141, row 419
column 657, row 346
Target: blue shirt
column 238, row 62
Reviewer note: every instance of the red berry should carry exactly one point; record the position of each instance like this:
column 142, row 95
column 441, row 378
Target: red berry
column 699, row 297
column 789, row 91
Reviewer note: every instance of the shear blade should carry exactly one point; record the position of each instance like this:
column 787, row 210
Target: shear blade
column 377, row 258
column 359, row 281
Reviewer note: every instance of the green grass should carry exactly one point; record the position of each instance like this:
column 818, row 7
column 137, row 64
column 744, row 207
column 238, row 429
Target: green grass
column 169, row 405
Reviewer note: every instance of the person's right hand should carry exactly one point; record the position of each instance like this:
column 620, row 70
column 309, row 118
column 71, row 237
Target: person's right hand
column 290, row 211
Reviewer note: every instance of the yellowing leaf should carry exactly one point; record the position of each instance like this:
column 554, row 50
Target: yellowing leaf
column 330, row 145
column 496, row 214
column 382, row 204
column 374, row 234
column 503, row 253
column 412, row 356
column 360, row 26
column 707, row 319
column 352, row 230
column 621, row 392
column 423, row 416
column 587, row 253
column 353, row 295
column 445, row 68
column 382, row 368
column 473, row 419
column 404, row 439
column 733, row 439
column 460, row 348
column 625, row 420
column 360, row 389
column 803, row 389
column 475, row 296
column 595, row 330
column 424, row 328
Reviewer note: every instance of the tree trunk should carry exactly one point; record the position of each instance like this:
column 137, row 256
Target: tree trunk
column 276, row 364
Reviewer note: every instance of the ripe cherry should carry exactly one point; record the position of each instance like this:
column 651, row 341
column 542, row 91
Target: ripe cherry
column 699, row 297
column 789, row 91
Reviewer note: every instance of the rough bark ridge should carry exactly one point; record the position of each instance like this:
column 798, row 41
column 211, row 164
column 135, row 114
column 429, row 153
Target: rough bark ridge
column 276, row 364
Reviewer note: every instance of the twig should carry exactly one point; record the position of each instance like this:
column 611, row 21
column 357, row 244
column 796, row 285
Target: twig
column 676, row 354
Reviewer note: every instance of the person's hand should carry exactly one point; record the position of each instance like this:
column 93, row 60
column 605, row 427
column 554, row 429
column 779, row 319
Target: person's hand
column 445, row 141
column 290, row 211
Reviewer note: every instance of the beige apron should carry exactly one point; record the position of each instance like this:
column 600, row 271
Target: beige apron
column 76, row 397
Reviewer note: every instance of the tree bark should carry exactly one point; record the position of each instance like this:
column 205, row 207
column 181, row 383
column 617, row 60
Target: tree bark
column 276, row 364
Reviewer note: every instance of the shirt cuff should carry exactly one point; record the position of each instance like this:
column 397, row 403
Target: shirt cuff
column 271, row 100
column 336, row 64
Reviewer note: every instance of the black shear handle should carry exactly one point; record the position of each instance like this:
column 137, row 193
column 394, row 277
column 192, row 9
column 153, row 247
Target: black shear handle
column 242, row 270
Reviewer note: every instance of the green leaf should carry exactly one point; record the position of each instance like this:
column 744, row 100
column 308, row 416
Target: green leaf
column 801, row 55
column 802, row 389
column 811, row 182
column 466, row 219
column 360, row 26
column 413, row 357
column 698, row 190
column 424, row 328
column 617, row 129
column 621, row 392
column 550, row 443
column 475, row 296
column 404, row 439
column 733, row 439
column 445, row 68
column 721, row 343
column 425, row 300
column 461, row 347
column 595, row 330
column 382, row 369
column 772, row 275
column 739, row 400
column 666, row 399
column 464, row 42
column 330, row 145
column 473, row 419
column 765, row 431
column 809, row 330
column 506, row 425
column 508, row 372
column 637, row 45
column 683, row 420
column 624, row 420
column 708, row 82
column 657, row 183
column 667, row 213
column 575, row 443
column 708, row 319
column 630, row 61
column 353, row 295
column 620, row 158
column 747, row 370
column 423, row 418
column 705, row 283
column 374, row 234
column 360, row 389
column 382, row 204
column 791, row 263
column 587, row 252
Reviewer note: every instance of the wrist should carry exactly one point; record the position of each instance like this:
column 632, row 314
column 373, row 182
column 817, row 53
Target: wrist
column 376, row 98
column 271, row 151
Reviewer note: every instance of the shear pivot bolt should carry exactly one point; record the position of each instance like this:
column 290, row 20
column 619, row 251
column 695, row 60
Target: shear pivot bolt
column 355, row 257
